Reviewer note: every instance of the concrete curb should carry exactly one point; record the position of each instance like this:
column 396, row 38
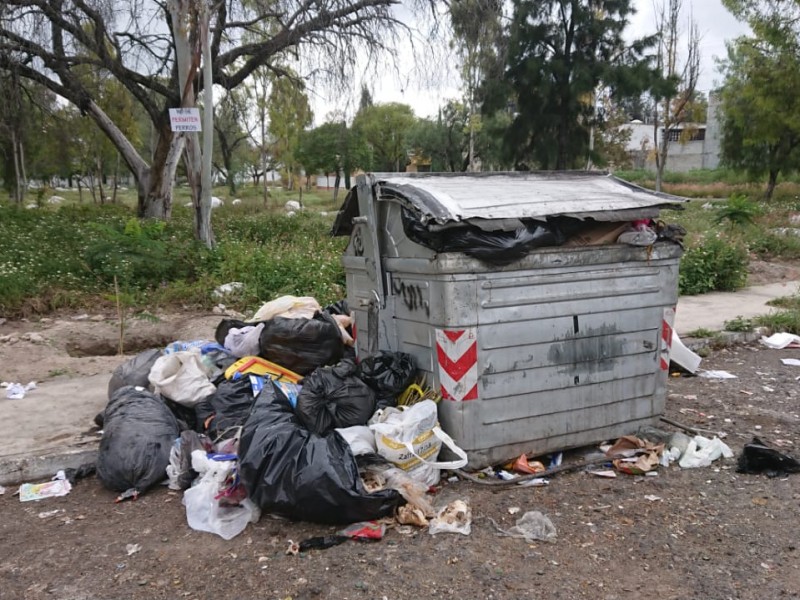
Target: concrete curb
column 722, row 339
column 22, row 468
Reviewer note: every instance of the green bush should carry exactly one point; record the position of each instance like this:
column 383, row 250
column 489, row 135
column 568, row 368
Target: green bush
column 738, row 211
column 715, row 264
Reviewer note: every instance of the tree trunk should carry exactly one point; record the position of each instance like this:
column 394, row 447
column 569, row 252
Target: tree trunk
column 100, row 191
column 17, row 174
column 336, row 183
column 116, row 181
column 771, row 183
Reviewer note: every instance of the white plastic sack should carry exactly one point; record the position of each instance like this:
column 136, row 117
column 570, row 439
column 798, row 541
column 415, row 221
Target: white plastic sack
column 290, row 307
column 702, row 451
column 360, row 439
column 779, row 341
column 203, row 512
column 456, row 517
column 244, row 341
column 181, row 377
column 411, row 439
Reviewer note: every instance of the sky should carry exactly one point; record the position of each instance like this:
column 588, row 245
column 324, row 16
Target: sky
column 425, row 92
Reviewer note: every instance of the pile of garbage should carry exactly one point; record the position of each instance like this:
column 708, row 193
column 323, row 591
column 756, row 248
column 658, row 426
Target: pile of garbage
column 275, row 414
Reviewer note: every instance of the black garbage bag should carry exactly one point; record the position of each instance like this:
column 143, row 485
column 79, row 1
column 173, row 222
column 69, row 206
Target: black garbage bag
column 339, row 307
column 290, row 471
column 226, row 409
column 388, row 374
column 757, row 457
column 493, row 247
column 334, row 397
column 138, row 433
column 302, row 345
column 134, row 371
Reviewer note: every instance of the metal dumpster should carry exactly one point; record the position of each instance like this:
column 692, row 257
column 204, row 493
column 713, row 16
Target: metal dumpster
column 562, row 347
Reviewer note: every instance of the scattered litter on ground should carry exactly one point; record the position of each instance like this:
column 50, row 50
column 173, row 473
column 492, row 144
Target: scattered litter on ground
column 58, row 486
column 456, row 517
column 757, row 457
column 794, row 362
column 49, row 513
column 702, row 451
column 132, row 549
column 533, row 526
column 779, row 341
column 653, row 498
column 683, row 356
column 17, row 391
column 2, row 490
column 716, row 375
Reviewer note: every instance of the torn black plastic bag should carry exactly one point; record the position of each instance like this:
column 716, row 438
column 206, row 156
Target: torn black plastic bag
column 494, row 247
column 222, row 412
column 388, row 374
column 290, row 471
column 757, row 457
column 334, row 397
column 302, row 345
column 135, row 371
column 138, row 433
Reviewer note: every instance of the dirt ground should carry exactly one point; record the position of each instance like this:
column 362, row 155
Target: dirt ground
column 702, row 533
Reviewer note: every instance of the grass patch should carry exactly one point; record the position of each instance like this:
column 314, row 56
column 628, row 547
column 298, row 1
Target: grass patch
column 783, row 321
column 700, row 333
column 67, row 256
column 739, row 324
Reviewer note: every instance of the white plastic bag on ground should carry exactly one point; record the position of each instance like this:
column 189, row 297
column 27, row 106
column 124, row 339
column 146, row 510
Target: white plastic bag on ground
column 411, row 439
column 702, row 451
column 532, row 526
column 779, row 341
column 182, row 377
column 290, row 307
column 203, row 511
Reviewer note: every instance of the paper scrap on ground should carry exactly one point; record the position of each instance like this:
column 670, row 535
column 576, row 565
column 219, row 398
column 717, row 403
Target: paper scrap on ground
column 59, row 486
column 717, row 375
column 779, row 341
column 794, row 362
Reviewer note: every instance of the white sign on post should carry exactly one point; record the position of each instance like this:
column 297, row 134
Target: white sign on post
column 184, row 119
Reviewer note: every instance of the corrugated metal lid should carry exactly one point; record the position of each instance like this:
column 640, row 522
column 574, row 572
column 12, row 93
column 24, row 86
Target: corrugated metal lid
column 462, row 196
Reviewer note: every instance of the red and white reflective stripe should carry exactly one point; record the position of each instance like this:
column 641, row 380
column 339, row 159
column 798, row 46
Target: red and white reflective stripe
column 666, row 337
column 457, row 353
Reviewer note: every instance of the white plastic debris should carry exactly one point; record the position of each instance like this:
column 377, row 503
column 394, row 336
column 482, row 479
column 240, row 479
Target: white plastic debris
column 2, row 490
column 217, row 202
column 702, row 451
column 681, row 355
column 794, row 362
column 717, row 375
column 779, row 341
column 132, row 548
column 17, row 391
column 291, row 205
column 532, row 526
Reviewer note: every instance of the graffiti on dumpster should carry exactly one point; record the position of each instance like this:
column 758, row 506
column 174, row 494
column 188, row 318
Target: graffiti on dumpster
column 411, row 295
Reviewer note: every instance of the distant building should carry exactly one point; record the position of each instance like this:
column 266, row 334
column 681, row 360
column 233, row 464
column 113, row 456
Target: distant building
column 691, row 145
